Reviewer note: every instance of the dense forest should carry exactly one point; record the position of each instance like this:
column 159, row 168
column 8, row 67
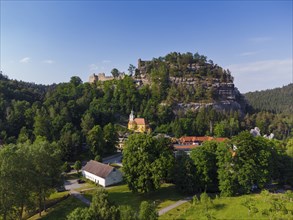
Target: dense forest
column 75, row 114
column 43, row 127
column 277, row 100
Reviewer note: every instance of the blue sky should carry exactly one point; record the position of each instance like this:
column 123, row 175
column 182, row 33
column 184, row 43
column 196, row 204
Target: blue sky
column 50, row 41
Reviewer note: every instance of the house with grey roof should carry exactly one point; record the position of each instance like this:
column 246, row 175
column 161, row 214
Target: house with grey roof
column 101, row 174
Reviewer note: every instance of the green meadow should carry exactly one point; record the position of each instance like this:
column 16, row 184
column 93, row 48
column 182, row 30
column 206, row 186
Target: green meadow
column 261, row 207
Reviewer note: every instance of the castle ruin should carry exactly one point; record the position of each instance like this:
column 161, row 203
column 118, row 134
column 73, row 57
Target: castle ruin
column 102, row 77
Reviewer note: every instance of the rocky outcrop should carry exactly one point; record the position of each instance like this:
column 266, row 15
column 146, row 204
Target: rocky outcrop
column 219, row 106
column 205, row 84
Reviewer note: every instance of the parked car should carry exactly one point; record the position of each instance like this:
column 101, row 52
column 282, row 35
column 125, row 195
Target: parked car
column 80, row 181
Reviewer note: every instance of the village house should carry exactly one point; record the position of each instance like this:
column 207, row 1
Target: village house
column 186, row 148
column 101, row 174
column 138, row 124
column 194, row 140
column 187, row 143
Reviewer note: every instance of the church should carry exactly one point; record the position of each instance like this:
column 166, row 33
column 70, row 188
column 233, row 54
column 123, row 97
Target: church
column 138, row 124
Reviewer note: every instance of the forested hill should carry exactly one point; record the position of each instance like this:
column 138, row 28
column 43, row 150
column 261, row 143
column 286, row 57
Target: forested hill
column 274, row 100
column 179, row 94
column 21, row 91
column 190, row 81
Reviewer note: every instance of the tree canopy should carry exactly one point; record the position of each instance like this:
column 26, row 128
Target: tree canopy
column 245, row 164
column 28, row 173
column 147, row 162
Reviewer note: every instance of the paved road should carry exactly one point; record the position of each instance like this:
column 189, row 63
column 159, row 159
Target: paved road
column 176, row 204
column 77, row 195
column 117, row 158
column 72, row 185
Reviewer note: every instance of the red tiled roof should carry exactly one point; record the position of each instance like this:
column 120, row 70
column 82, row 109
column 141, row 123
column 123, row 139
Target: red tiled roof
column 220, row 139
column 200, row 139
column 205, row 138
column 98, row 169
column 187, row 139
column 181, row 147
column 139, row 121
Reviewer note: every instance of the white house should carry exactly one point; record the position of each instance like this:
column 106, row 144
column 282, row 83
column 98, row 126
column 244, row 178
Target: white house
column 101, row 174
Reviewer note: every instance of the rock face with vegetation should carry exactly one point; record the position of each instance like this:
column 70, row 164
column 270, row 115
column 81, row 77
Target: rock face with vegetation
column 190, row 82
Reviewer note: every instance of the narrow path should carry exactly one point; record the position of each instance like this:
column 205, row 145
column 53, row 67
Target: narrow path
column 77, row 195
column 176, row 204
column 72, row 185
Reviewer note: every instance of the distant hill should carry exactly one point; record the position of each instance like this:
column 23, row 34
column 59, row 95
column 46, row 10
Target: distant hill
column 279, row 100
column 21, row 91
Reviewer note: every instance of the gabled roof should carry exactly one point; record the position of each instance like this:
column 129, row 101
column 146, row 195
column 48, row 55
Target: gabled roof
column 98, row 169
column 187, row 139
column 140, row 121
column 185, row 147
column 200, row 139
column 194, row 139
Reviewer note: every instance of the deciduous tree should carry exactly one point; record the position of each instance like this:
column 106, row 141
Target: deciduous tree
column 110, row 138
column 204, row 158
column 77, row 166
column 185, row 173
column 95, row 140
column 101, row 207
column 147, row 211
column 246, row 163
column 127, row 213
column 46, row 165
column 115, row 72
column 147, row 161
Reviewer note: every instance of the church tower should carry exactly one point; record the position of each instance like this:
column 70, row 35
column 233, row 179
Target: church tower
column 131, row 116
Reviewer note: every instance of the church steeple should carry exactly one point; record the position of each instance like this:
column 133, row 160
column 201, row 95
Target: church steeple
column 131, row 116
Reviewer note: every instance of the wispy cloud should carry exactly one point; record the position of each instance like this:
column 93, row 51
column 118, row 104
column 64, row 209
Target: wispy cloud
column 249, row 53
column 259, row 39
column 281, row 65
column 48, row 61
column 25, row 60
column 93, row 67
column 262, row 74
column 100, row 65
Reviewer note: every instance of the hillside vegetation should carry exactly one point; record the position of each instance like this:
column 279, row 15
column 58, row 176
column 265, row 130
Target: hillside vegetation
column 43, row 127
column 256, row 206
column 179, row 94
column 189, row 78
column 278, row 100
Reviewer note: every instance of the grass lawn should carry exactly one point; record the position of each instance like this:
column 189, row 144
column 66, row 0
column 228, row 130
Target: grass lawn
column 121, row 195
column 71, row 176
column 60, row 210
column 54, row 197
column 177, row 212
column 86, row 185
column 57, row 195
column 226, row 208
